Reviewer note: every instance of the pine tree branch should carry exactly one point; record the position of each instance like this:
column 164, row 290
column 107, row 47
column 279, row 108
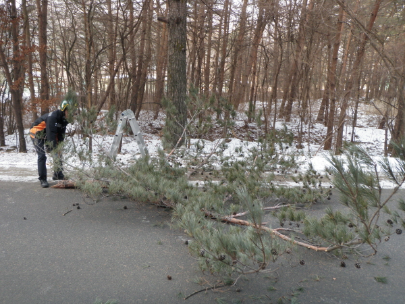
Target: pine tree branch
column 264, row 209
column 276, row 232
column 205, row 289
column 205, row 161
column 68, row 184
column 393, row 192
column 184, row 132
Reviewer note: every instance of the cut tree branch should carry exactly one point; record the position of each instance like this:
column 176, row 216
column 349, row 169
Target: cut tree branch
column 275, row 232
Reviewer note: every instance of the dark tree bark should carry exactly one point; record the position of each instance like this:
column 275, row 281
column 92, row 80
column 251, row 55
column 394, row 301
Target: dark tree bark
column 177, row 79
column 112, row 52
column 332, row 82
column 207, row 68
column 29, row 50
column 88, row 12
column 236, row 65
column 398, row 133
column 146, row 58
column 278, row 55
column 160, row 64
column 220, row 70
column 42, row 8
column 2, row 137
column 132, row 56
column 140, row 65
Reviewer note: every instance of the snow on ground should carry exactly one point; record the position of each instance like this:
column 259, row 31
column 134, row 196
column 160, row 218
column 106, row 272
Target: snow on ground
column 16, row 166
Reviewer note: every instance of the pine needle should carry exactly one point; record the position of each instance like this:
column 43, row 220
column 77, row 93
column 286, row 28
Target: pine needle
column 386, row 258
column 382, row 280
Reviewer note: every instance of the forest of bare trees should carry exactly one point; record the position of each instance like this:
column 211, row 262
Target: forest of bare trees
column 317, row 58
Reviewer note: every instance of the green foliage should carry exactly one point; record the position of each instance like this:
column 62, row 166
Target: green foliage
column 245, row 183
column 271, row 288
column 86, row 119
column 244, row 186
column 332, row 227
column 107, row 123
column 358, row 180
column 56, row 154
column 168, row 138
column 382, row 280
column 199, row 107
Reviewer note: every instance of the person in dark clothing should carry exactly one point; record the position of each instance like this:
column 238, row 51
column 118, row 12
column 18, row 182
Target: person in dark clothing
column 47, row 132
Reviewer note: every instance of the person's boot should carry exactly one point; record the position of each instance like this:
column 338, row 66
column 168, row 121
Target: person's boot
column 44, row 183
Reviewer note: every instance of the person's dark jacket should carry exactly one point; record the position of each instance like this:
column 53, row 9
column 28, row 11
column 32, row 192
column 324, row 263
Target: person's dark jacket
column 51, row 127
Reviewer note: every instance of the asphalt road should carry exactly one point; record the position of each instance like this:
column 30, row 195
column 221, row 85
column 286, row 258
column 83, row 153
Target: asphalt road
column 52, row 252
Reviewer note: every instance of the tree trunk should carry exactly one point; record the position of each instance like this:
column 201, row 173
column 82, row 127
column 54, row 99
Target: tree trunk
column 87, row 14
column 15, row 77
column 2, row 138
column 295, row 78
column 177, row 78
column 141, row 53
column 207, row 68
column 278, row 55
column 322, row 115
column 356, row 107
column 200, row 32
column 252, row 60
column 221, row 67
column 236, row 65
column 112, row 58
column 145, row 59
column 398, row 133
column 42, row 7
column 332, row 81
column 354, row 75
column 29, row 50
column 347, row 50
column 160, row 66
column 132, row 55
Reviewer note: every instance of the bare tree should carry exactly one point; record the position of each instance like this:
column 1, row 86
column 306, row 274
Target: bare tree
column 144, row 56
column 355, row 73
column 292, row 85
column 332, row 80
column 112, row 29
column 221, row 51
column 236, row 65
column 29, row 51
column 262, row 19
column 161, row 61
column 14, row 70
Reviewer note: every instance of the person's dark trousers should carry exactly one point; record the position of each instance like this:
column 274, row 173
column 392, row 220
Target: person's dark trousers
column 39, row 145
